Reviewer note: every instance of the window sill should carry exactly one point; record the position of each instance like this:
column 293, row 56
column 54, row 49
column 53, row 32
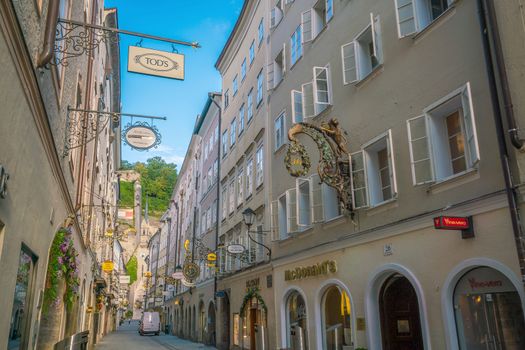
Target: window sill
column 335, row 221
column 278, row 84
column 442, row 18
column 299, row 233
column 382, row 207
column 259, row 103
column 370, row 76
column 297, row 61
column 322, row 113
column 280, row 148
column 454, row 181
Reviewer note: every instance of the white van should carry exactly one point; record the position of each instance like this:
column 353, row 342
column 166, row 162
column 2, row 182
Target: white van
column 150, row 323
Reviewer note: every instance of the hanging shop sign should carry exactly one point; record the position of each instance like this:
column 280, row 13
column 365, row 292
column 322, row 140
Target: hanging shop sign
column 155, row 62
column 141, row 136
column 124, row 279
column 460, row 223
column 236, row 249
column 190, row 271
column 107, row 266
column 212, row 257
column 324, row 268
column 188, row 283
column 187, row 244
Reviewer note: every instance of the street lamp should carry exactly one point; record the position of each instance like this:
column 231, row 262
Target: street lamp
column 248, row 216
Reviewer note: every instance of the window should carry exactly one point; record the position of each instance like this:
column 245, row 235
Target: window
column 233, row 132
column 226, row 99
column 373, row 173
column 63, row 12
column 215, row 169
column 249, row 112
column 216, row 134
column 203, row 223
column 316, row 95
column 240, row 187
column 252, row 52
column 259, row 87
column 277, row 69
column 249, row 177
column 415, row 15
column 224, row 143
column 361, row 56
column 296, row 46
column 284, row 215
column 259, row 175
column 276, row 14
column 210, row 178
column 279, row 131
column 208, row 218
column 231, row 194
column 329, row 5
column 235, row 86
column 443, row 140
column 260, row 31
column 243, row 69
column 297, row 106
column 241, row 119
column 304, row 219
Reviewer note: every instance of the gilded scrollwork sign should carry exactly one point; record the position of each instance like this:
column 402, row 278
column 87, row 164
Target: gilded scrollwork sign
column 334, row 161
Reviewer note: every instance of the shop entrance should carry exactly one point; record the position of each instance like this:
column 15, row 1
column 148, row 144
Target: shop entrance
column 489, row 314
column 253, row 318
column 399, row 309
column 211, row 324
column 336, row 319
column 296, row 330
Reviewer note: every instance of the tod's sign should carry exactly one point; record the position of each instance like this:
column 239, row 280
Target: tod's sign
column 155, row 62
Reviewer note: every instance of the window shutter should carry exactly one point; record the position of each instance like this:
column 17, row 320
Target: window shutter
column 284, row 59
column 470, row 126
column 420, row 155
column 391, row 165
column 406, row 17
column 275, row 17
column 359, row 180
column 349, row 58
column 269, row 72
column 297, row 106
column 291, row 210
column 308, row 100
column 302, row 209
column 376, row 37
column 321, row 86
column 316, row 199
column 306, row 26
column 274, row 215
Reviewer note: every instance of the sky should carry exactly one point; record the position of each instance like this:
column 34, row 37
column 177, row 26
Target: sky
column 208, row 22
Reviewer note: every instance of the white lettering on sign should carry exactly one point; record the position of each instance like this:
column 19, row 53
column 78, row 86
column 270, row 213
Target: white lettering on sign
column 155, row 62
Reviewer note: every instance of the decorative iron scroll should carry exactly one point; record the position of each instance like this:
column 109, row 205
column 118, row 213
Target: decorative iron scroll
column 83, row 126
column 77, row 39
column 334, row 161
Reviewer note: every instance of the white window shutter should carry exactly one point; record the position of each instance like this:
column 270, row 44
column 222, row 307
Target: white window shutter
column 316, row 199
column 350, row 66
column 376, row 37
column 272, row 17
column 392, row 163
column 420, row 151
column 284, row 58
column 406, row 17
column 274, row 215
column 321, row 86
column 470, row 126
column 307, row 90
column 302, row 209
column 306, row 26
column 291, row 210
column 297, row 106
column 359, row 180
column 269, row 79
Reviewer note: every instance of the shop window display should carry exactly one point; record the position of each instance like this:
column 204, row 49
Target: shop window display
column 336, row 311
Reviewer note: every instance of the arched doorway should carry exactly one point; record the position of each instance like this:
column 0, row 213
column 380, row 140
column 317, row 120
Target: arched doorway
column 399, row 312
column 189, row 323
column 223, row 341
column 211, row 324
column 488, row 311
column 253, row 313
column 296, row 326
column 194, row 324
column 336, row 314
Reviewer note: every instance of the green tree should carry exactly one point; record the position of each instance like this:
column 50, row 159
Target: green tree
column 131, row 267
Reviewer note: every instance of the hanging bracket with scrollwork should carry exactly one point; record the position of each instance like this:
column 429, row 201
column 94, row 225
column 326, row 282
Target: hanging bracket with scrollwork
column 334, row 161
column 74, row 39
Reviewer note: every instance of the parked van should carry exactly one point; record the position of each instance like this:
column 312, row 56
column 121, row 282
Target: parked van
column 150, row 323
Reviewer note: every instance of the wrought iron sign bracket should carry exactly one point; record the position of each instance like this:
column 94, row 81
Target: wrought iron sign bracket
column 83, row 125
column 74, row 39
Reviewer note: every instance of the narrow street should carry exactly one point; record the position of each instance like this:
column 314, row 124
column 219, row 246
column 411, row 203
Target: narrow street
column 127, row 337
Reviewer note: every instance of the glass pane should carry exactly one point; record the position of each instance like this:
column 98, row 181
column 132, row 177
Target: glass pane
column 457, row 146
column 360, row 197
column 453, row 124
column 420, row 149
column 20, row 312
column 459, row 165
column 418, row 128
column 422, row 170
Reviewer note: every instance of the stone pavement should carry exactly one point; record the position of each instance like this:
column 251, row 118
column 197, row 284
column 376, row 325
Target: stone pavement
column 128, row 338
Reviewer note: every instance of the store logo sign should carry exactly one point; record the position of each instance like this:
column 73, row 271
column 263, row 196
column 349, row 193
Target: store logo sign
column 155, row 62
column 328, row 266
column 475, row 284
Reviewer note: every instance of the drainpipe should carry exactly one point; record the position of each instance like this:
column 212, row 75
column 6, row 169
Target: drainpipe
column 489, row 37
column 49, row 36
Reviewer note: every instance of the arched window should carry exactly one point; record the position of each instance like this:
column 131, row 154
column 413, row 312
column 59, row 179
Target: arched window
column 336, row 313
column 297, row 331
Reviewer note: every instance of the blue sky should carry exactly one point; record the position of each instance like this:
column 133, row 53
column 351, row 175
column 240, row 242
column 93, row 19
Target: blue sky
column 207, row 21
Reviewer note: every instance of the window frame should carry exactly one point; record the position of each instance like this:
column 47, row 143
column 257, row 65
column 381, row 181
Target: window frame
column 282, row 118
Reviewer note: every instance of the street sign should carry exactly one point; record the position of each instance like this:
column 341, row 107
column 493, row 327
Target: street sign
column 155, row 62
column 220, row 294
column 236, row 249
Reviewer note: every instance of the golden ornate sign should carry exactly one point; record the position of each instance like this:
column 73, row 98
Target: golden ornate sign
column 327, row 266
column 190, row 271
column 107, row 266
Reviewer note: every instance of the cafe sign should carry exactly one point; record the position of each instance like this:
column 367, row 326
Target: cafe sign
column 324, row 268
column 155, row 62
column 107, row 266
